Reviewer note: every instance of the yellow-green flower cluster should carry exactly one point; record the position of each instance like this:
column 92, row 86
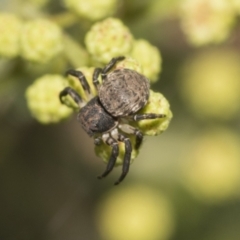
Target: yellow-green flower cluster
column 211, row 169
column 92, row 9
column 207, row 21
column 149, row 57
column 210, row 84
column 43, row 99
column 10, row 29
column 107, row 39
column 41, row 40
column 37, row 40
column 111, row 38
column 143, row 212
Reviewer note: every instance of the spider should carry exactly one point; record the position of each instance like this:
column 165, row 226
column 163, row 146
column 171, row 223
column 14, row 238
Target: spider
column 106, row 117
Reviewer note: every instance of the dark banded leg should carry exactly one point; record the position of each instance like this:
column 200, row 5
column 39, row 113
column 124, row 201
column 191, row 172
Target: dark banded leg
column 110, row 65
column 132, row 130
column 75, row 96
column 96, row 74
column 111, row 163
column 80, row 76
column 127, row 157
column 139, row 117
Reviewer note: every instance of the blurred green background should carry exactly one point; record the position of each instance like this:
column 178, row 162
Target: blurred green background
column 185, row 183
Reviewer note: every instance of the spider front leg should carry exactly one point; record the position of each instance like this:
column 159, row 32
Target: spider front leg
column 96, row 74
column 75, row 96
column 82, row 79
column 110, row 65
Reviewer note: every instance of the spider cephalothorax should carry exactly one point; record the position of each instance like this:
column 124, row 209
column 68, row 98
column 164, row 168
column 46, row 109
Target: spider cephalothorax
column 121, row 95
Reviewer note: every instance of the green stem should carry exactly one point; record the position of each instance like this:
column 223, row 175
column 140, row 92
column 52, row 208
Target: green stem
column 75, row 53
column 65, row 19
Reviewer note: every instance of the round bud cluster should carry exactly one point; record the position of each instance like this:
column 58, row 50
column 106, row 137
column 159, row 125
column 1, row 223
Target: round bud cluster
column 107, row 39
column 210, row 84
column 211, row 169
column 43, row 99
column 41, row 40
column 207, row 21
column 142, row 211
column 149, row 58
column 10, row 29
column 92, row 9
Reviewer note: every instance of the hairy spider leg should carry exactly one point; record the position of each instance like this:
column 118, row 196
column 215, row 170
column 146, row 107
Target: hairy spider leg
column 132, row 130
column 110, row 65
column 115, row 151
column 83, row 81
column 75, row 96
column 139, row 117
column 127, row 157
column 104, row 71
column 96, row 74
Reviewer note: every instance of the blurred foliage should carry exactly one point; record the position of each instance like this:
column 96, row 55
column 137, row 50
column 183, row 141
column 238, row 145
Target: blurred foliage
column 184, row 184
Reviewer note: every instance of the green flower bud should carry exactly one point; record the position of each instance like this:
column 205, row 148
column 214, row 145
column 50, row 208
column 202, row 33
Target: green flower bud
column 43, row 99
column 207, row 21
column 92, row 9
column 149, row 58
column 104, row 151
column 10, row 29
column 107, row 39
column 158, row 104
column 41, row 40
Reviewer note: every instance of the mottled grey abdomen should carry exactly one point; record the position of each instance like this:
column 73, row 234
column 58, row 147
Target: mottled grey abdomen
column 124, row 92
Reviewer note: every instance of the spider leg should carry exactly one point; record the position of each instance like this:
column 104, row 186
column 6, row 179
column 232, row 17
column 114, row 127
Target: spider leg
column 111, row 163
column 110, row 65
column 139, row 117
column 75, row 96
column 80, row 76
column 96, row 74
column 127, row 157
column 97, row 141
column 132, row 130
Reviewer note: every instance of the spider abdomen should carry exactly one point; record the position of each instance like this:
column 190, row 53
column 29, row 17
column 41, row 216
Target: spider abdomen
column 124, row 92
